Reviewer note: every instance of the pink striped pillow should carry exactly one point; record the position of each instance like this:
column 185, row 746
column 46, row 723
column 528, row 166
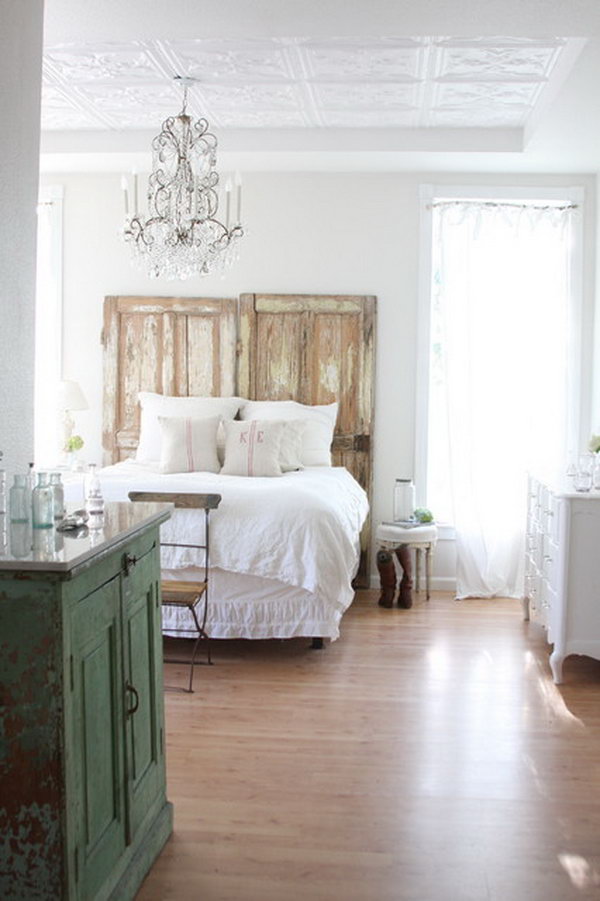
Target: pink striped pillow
column 252, row 448
column 189, row 445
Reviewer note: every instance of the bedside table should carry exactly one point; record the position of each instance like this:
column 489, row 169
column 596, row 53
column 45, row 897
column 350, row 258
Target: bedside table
column 394, row 539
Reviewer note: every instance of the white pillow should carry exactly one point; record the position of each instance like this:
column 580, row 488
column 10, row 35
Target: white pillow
column 290, row 452
column 318, row 430
column 189, row 445
column 252, row 448
column 155, row 405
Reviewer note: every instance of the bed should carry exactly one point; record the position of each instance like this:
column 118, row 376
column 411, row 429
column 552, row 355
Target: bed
column 284, row 550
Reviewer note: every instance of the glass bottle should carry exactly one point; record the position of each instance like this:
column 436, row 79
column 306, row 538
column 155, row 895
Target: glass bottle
column 404, row 500
column 2, row 486
column 42, row 503
column 585, row 472
column 20, row 507
column 2, row 491
column 94, row 502
column 58, row 493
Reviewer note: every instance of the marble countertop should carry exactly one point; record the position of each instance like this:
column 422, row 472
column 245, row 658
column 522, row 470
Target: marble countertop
column 48, row 550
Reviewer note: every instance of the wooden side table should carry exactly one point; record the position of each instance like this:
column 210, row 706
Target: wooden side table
column 394, row 539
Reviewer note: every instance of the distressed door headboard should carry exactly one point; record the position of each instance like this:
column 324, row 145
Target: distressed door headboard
column 316, row 349
column 171, row 345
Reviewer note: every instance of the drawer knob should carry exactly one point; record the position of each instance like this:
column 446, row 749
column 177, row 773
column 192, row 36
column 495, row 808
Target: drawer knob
column 129, row 561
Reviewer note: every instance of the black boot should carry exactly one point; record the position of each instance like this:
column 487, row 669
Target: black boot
column 387, row 578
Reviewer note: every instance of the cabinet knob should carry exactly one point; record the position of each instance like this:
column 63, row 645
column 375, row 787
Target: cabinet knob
column 129, row 561
column 136, row 699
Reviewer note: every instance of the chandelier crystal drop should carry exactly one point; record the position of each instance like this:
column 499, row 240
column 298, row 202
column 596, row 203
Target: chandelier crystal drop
column 181, row 236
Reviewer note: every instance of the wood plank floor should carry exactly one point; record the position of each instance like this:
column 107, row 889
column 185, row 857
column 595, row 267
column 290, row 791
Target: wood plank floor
column 425, row 756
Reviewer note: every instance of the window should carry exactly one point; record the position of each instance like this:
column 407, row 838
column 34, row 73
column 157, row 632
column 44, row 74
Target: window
column 500, row 385
column 48, row 326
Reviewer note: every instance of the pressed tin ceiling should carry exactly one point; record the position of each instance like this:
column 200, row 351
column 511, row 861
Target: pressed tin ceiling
column 299, row 83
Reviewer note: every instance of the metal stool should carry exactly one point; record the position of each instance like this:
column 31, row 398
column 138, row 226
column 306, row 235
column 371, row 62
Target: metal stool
column 186, row 594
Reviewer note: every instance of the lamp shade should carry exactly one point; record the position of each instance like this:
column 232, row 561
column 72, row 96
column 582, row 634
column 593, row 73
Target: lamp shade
column 71, row 397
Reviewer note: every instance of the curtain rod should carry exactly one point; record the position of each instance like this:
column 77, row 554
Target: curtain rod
column 525, row 205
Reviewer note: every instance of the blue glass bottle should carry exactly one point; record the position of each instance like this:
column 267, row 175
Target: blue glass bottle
column 19, row 500
column 58, row 495
column 42, row 503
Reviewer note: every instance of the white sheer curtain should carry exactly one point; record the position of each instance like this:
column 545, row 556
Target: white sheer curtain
column 499, row 390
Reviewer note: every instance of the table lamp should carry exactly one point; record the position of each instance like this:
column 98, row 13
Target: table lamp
column 70, row 399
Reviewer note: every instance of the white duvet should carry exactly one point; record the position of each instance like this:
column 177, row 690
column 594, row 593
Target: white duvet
column 300, row 529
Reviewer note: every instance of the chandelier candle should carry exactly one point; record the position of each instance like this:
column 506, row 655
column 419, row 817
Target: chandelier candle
column 135, row 193
column 238, row 191
column 125, row 190
column 181, row 236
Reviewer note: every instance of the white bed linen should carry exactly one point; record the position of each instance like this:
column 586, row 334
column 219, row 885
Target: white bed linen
column 294, row 539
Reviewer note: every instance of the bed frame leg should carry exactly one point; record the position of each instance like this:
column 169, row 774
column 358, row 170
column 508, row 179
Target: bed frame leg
column 317, row 644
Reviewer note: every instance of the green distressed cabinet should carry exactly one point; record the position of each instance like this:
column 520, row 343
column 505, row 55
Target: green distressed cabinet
column 83, row 808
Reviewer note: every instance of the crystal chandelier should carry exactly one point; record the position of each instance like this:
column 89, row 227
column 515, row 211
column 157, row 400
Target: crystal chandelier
column 181, row 235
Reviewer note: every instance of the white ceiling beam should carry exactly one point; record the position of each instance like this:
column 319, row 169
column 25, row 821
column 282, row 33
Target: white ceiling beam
column 490, row 140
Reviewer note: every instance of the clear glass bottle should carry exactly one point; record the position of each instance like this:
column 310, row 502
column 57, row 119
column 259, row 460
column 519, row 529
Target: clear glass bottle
column 2, row 486
column 94, row 502
column 2, row 491
column 20, row 539
column 19, row 502
column 404, row 500
column 42, row 503
column 58, row 492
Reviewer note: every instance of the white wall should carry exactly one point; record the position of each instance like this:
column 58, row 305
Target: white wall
column 306, row 233
column 20, row 77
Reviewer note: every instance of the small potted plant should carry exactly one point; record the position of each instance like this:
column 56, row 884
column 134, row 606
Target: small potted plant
column 594, row 444
column 74, row 444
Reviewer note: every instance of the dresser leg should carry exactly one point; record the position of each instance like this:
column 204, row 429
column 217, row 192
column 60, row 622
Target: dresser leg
column 428, row 556
column 556, row 664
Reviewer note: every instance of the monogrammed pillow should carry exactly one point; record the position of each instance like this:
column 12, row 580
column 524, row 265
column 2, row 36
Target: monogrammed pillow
column 189, row 445
column 318, row 430
column 252, row 448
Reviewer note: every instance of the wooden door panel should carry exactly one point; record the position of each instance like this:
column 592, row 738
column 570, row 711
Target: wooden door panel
column 203, row 352
column 278, row 376
column 171, row 345
column 316, row 350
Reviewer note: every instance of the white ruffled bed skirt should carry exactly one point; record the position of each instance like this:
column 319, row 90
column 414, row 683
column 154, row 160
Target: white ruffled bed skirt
column 244, row 606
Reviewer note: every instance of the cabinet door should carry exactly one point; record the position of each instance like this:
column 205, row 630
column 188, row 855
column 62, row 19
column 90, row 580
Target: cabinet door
column 143, row 677
column 97, row 736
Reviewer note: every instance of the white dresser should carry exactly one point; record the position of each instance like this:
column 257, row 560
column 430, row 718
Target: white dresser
column 562, row 570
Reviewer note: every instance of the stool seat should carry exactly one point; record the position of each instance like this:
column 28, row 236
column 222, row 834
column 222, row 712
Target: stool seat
column 426, row 533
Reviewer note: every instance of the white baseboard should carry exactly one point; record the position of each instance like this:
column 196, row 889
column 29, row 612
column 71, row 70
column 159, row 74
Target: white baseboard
column 438, row 583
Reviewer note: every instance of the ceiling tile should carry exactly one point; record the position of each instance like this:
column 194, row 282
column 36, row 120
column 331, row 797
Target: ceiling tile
column 298, row 82
column 231, row 61
column 366, row 95
column 354, row 60
column 250, row 97
column 496, row 63
column 101, row 63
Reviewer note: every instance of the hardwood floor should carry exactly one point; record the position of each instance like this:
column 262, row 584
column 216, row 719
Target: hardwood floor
column 425, row 756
